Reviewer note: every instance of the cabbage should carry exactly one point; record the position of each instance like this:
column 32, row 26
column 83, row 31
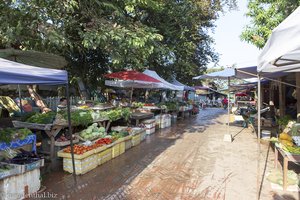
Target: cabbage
column 94, row 134
column 101, row 129
column 94, row 125
column 89, row 130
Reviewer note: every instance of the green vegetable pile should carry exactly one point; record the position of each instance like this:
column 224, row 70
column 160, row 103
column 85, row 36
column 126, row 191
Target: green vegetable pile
column 27, row 115
column 117, row 135
column 171, row 105
column 42, row 118
column 126, row 113
column 292, row 150
column 137, row 104
column 116, row 114
column 7, row 135
column 283, row 121
column 93, row 131
column 79, row 117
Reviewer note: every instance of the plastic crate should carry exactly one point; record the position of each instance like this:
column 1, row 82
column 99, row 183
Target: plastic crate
column 122, row 147
column 104, row 156
column 82, row 166
column 149, row 123
column 115, row 150
column 150, row 131
column 128, row 144
column 143, row 135
column 136, row 140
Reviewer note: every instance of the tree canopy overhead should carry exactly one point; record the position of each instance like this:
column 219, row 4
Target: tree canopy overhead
column 98, row 36
column 265, row 16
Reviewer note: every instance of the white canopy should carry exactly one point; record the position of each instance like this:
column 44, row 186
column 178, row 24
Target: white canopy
column 166, row 84
column 282, row 50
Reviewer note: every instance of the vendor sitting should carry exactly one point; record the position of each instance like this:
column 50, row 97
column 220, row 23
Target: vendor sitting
column 62, row 104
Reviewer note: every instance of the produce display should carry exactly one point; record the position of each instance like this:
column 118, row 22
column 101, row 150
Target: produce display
column 292, row 149
column 63, row 138
column 171, row 105
column 78, row 117
column 149, row 104
column 92, row 132
column 117, row 135
column 285, row 142
column 9, row 134
column 42, row 118
column 286, row 139
column 104, row 141
column 24, row 157
column 81, row 149
column 283, row 121
column 115, row 114
column 137, row 104
column 97, row 115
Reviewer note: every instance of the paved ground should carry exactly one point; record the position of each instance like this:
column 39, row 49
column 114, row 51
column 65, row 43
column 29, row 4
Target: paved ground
column 181, row 162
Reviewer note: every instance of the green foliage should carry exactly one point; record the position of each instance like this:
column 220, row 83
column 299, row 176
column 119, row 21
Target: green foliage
column 97, row 36
column 265, row 16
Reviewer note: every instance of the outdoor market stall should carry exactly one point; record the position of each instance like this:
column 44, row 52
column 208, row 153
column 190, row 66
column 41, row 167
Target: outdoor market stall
column 16, row 73
column 282, row 53
column 134, row 79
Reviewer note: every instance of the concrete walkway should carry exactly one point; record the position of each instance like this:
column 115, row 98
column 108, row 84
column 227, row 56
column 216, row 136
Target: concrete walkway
column 182, row 162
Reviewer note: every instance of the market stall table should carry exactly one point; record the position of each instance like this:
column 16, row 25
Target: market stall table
column 137, row 116
column 287, row 157
column 51, row 130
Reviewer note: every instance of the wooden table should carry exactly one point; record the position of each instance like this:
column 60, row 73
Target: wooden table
column 137, row 116
column 52, row 130
column 287, row 157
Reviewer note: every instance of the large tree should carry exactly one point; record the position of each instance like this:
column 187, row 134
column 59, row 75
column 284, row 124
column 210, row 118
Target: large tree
column 98, row 36
column 265, row 16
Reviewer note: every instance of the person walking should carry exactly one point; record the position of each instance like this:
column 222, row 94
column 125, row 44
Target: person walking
column 225, row 103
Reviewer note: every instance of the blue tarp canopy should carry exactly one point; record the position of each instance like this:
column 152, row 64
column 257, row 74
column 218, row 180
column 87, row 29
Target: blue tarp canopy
column 175, row 82
column 17, row 73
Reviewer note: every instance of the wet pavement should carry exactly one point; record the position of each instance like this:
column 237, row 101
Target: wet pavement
column 181, row 162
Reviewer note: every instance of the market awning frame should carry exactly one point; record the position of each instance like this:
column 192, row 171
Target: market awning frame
column 21, row 74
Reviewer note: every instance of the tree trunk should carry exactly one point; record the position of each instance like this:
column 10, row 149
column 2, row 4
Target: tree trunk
column 37, row 98
column 82, row 89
